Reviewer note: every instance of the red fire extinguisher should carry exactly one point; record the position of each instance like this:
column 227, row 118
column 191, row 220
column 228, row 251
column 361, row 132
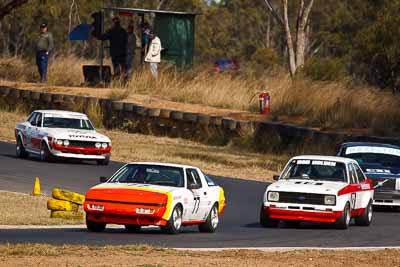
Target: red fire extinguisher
column 265, row 102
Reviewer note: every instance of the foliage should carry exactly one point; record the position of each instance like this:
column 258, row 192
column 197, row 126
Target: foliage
column 265, row 57
column 324, row 69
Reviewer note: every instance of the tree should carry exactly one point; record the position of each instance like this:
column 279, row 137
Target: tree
column 10, row 6
column 295, row 47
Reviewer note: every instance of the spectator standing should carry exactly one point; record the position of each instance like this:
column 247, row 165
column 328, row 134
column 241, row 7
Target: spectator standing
column 130, row 50
column 153, row 56
column 44, row 45
column 118, row 37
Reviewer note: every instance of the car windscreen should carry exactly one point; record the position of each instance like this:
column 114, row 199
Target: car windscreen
column 316, row 170
column 379, row 156
column 149, row 174
column 71, row 123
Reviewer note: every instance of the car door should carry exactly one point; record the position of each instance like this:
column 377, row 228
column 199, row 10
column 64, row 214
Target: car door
column 36, row 138
column 28, row 131
column 364, row 195
column 354, row 188
column 196, row 205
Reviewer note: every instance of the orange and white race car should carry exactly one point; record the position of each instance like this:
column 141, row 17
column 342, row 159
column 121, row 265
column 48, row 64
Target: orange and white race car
column 148, row 193
column 319, row 189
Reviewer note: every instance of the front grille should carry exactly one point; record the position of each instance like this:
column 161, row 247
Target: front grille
column 85, row 144
column 301, row 198
column 390, row 184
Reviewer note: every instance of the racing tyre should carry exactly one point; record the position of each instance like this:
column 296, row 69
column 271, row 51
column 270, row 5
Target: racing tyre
column 266, row 221
column 104, row 161
column 344, row 221
column 133, row 228
column 174, row 223
column 20, row 150
column 366, row 218
column 45, row 154
column 95, row 226
column 211, row 224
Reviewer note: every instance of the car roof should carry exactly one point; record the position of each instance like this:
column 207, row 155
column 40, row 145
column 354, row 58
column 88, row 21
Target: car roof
column 327, row 158
column 63, row 112
column 164, row 164
column 350, row 144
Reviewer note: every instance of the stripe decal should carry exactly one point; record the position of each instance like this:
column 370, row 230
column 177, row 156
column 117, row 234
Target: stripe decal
column 221, row 200
column 128, row 203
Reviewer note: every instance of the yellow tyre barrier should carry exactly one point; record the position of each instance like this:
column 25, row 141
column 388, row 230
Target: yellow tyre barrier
column 68, row 196
column 69, row 215
column 61, row 205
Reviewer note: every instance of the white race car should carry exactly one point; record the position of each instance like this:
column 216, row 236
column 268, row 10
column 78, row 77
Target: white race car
column 52, row 134
column 319, row 189
column 165, row 195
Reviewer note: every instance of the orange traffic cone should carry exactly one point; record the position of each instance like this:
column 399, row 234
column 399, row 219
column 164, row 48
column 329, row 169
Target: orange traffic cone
column 36, row 187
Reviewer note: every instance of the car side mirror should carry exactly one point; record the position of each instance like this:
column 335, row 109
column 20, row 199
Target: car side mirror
column 275, row 177
column 194, row 186
column 103, row 179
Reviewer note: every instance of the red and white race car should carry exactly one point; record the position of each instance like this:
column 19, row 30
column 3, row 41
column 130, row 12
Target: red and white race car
column 52, row 134
column 319, row 189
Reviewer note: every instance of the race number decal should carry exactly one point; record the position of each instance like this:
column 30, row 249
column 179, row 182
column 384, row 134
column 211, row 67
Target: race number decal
column 353, row 201
column 196, row 204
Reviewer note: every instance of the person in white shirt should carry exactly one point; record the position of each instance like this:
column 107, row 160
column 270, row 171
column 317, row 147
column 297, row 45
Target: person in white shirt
column 153, row 56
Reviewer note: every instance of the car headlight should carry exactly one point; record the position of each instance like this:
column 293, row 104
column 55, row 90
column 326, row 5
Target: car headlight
column 60, row 142
column 97, row 145
column 330, row 200
column 273, row 196
column 66, row 143
column 104, row 145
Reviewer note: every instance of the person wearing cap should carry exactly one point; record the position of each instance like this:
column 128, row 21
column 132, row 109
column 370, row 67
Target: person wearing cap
column 118, row 37
column 44, row 45
column 130, row 49
column 153, row 56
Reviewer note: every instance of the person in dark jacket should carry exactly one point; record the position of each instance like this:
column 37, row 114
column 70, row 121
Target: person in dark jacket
column 118, row 38
column 44, row 45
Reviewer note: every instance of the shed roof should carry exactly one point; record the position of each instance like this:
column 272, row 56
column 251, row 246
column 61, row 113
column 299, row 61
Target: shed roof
column 147, row 11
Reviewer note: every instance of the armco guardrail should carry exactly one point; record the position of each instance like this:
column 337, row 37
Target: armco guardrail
column 137, row 118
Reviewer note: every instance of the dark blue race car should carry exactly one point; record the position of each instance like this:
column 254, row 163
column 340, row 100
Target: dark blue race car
column 381, row 164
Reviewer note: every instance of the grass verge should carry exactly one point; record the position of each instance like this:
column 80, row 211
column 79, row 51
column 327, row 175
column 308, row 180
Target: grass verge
column 24, row 209
column 216, row 160
column 48, row 255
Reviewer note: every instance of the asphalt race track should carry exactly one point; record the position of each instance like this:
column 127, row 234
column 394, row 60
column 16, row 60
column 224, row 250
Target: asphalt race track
column 239, row 225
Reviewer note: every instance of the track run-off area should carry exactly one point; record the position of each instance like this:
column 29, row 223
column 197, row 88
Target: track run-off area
column 238, row 227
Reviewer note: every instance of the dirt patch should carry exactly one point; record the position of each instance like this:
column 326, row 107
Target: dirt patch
column 46, row 255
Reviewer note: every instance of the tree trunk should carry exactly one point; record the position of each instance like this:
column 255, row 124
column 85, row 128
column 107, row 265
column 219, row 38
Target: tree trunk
column 268, row 34
column 289, row 40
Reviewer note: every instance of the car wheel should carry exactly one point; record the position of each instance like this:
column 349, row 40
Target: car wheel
column 174, row 223
column 344, row 221
column 45, row 154
column 104, row 161
column 366, row 218
column 266, row 221
column 133, row 228
column 20, row 150
column 95, row 226
column 211, row 224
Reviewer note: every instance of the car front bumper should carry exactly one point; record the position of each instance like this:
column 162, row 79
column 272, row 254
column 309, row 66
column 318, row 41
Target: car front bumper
column 118, row 213
column 89, row 153
column 302, row 215
column 387, row 198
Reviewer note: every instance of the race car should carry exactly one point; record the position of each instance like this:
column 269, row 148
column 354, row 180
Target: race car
column 56, row 134
column 319, row 189
column 158, row 194
column 381, row 164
